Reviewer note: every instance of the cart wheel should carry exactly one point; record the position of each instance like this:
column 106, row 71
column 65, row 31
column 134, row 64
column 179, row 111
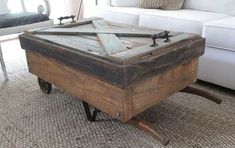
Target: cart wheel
column 45, row 86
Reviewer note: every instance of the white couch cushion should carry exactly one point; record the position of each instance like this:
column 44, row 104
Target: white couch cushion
column 220, row 34
column 3, row 7
column 115, row 14
column 190, row 21
column 102, row 2
column 127, row 15
column 217, row 66
column 220, row 6
column 97, row 11
column 125, row 3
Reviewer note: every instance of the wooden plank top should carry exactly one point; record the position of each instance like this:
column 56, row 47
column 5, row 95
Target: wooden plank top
column 110, row 42
column 105, row 50
column 83, row 38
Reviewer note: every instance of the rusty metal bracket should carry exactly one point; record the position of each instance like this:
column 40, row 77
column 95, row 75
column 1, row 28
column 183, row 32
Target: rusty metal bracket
column 148, row 128
column 161, row 35
column 91, row 116
column 66, row 17
column 202, row 93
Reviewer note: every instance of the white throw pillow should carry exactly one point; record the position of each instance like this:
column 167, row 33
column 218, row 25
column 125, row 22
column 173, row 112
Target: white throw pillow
column 3, row 7
column 219, row 6
column 125, row 3
column 161, row 4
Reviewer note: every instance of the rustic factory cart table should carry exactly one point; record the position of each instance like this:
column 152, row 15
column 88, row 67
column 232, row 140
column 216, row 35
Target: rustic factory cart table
column 119, row 69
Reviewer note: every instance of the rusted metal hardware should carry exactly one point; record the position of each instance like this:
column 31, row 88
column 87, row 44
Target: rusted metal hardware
column 154, row 37
column 2, row 63
column 167, row 36
column 91, row 116
column 147, row 127
column 65, row 18
column 141, row 124
column 161, row 35
column 202, row 93
column 45, row 86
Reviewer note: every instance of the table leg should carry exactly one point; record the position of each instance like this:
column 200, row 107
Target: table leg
column 202, row 93
column 91, row 116
column 45, row 86
column 3, row 65
column 147, row 127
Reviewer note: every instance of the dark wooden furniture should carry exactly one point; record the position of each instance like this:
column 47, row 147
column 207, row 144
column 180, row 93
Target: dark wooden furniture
column 120, row 70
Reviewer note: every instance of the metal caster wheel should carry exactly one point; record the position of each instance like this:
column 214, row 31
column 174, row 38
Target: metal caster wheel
column 45, row 86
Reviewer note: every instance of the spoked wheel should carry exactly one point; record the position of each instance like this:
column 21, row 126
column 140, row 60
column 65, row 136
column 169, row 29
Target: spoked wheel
column 45, row 86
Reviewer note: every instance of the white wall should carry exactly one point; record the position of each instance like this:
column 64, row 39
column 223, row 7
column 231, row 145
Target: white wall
column 63, row 8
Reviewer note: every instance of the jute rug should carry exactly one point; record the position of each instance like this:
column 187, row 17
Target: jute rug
column 29, row 118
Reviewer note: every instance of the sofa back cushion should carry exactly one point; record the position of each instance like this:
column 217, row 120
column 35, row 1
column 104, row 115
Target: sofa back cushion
column 220, row 6
column 125, row 3
column 161, row 4
column 3, row 7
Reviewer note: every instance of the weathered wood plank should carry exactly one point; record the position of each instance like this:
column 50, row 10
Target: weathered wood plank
column 120, row 103
column 92, row 32
column 103, row 96
column 121, row 74
column 79, row 23
column 67, row 25
column 131, row 27
column 151, row 90
column 76, row 43
column 111, row 42
column 99, row 67
column 152, row 65
column 146, row 49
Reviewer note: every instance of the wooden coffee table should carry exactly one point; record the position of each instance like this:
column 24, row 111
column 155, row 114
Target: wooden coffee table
column 118, row 69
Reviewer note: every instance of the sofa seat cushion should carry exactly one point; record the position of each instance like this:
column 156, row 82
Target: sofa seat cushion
column 220, row 34
column 218, row 6
column 18, row 19
column 100, row 11
column 217, row 66
column 190, row 21
column 125, row 3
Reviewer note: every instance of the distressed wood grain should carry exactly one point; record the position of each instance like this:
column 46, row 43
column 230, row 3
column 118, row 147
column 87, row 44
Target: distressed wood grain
column 120, row 103
column 151, row 90
column 103, row 96
column 111, row 42
column 93, row 32
column 121, row 67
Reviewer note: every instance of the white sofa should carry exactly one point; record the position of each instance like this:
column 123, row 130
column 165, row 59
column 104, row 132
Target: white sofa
column 212, row 19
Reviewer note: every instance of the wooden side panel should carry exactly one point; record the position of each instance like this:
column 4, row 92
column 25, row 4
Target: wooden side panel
column 100, row 94
column 153, row 65
column 151, row 90
column 102, row 69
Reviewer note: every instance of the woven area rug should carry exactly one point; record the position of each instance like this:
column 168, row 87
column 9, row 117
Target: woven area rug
column 29, row 118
